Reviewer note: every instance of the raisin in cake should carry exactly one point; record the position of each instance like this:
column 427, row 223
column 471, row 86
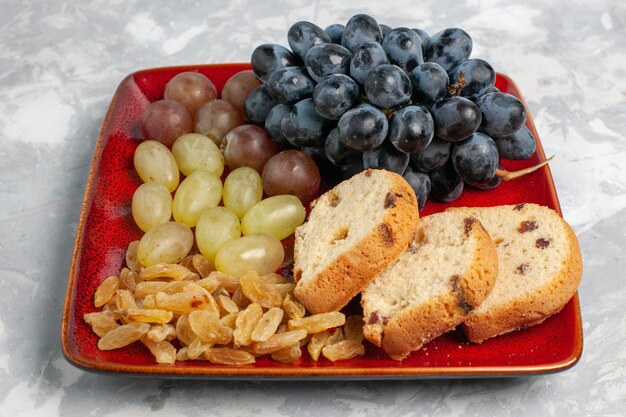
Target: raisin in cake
column 352, row 233
column 540, row 268
column 445, row 273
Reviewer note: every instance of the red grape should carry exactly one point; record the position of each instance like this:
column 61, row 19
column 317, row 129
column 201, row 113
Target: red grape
column 191, row 89
column 216, row 118
column 238, row 88
column 249, row 146
column 165, row 121
column 292, row 172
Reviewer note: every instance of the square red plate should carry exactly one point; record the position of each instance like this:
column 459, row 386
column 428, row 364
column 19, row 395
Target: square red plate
column 106, row 227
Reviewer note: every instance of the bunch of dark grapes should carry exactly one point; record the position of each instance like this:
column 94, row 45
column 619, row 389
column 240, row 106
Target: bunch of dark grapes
column 365, row 95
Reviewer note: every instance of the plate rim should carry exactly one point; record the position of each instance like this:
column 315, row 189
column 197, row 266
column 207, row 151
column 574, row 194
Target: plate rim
column 290, row 372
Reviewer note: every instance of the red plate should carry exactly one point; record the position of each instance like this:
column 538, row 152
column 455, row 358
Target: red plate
column 106, row 227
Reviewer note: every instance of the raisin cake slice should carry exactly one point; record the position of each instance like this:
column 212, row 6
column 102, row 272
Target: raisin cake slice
column 352, row 233
column 446, row 272
column 540, row 268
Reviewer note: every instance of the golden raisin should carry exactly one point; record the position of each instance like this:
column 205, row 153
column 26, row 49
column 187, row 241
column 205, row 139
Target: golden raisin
column 278, row 341
column 106, row 290
column 289, row 354
column 174, row 271
column 202, row 265
column 317, row 342
column 101, row 323
column 259, row 291
column 267, row 325
column 318, row 322
column 123, row 335
column 245, row 323
column 345, row 349
column 207, row 326
column 163, row 351
column 148, row 315
column 228, row 356
column 293, row 308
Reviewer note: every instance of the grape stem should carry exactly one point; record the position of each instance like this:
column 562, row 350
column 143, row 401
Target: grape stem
column 511, row 175
column 455, row 89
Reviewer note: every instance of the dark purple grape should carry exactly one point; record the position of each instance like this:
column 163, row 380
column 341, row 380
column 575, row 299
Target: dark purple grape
column 404, row 48
column 335, row 32
column 384, row 29
column 519, row 145
column 290, row 85
column 424, row 36
column 430, row 83
column 258, row 105
column 326, row 59
column 490, row 185
column 455, row 118
column 348, row 171
column 479, row 77
column 364, row 59
column 248, row 146
column 303, row 126
column 335, row 95
column 238, row 88
column 492, row 89
column 318, row 153
column 411, row 128
column 165, row 121
column 386, row 156
column 363, row 127
column 475, row 159
column 420, row 182
column 503, row 114
column 387, row 86
column 445, row 184
column 269, row 57
column 303, row 35
column 433, row 156
column 449, row 48
column 337, row 153
column 361, row 28
column 274, row 120
column 216, row 118
column 292, row 172
column 191, row 89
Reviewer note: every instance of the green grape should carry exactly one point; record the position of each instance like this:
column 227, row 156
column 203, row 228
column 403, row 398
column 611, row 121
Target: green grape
column 277, row 216
column 151, row 206
column 166, row 243
column 155, row 163
column 198, row 192
column 258, row 252
column 215, row 227
column 243, row 188
column 195, row 152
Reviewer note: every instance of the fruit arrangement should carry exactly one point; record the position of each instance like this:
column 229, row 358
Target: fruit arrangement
column 365, row 95
column 226, row 181
column 218, row 229
column 203, row 285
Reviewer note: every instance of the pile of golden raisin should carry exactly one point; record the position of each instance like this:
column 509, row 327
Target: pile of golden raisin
column 189, row 311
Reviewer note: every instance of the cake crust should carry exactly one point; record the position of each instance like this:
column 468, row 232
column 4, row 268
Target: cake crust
column 416, row 324
column 532, row 307
column 333, row 287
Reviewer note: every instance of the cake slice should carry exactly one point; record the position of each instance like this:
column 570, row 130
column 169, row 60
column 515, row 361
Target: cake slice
column 540, row 268
column 446, row 272
column 352, row 233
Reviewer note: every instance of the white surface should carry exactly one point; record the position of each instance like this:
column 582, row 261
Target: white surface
column 60, row 64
